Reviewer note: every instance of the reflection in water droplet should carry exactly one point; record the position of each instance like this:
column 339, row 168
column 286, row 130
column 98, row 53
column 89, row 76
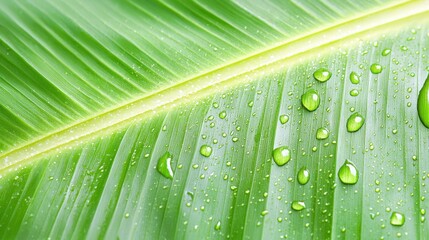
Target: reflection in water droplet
column 348, row 173
column 222, row 115
column 423, row 103
column 281, row 155
column 206, row 150
column 376, row 68
column 322, row 74
column 297, row 205
column 310, row 100
column 164, row 165
column 303, row 176
column 354, row 78
column 397, row 219
column 322, row 133
column 386, row 52
column 355, row 122
column 284, row 119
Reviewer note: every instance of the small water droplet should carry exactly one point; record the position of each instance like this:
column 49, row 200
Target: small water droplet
column 355, row 122
column 297, row 205
column 386, row 52
column 348, row 173
column 303, row 176
column 222, row 114
column 263, row 213
column 423, row 103
column 376, row 68
column 164, row 165
column 322, row 74
column 354, row 78
column 217, row 226
column 310, row 100
column 284, row 119
column 215, row 105
column 354, row 92
column 397, row 219
column 281, row 155
column 206, row 150
column 322, row 133
column 250, row 104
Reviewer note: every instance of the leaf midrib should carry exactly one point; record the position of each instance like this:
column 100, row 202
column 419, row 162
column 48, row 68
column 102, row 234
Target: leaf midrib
column 243, row 70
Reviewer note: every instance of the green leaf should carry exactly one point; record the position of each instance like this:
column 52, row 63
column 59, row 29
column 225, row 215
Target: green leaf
column 159, row 120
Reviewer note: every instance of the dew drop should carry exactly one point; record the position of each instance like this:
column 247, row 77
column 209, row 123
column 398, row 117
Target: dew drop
column 164, row 165
column 354, row 92
column 386, row 52
column 354, row 78
column 376, row 68
column 281, row 155
column 322, row 133
column 217, row 226
column 284, row 119
column 206, row 150
column 355, row 122
column 310, row 100
column 423, row 103
column 222, row 115
column 298, row 206
column 303, row 176
column 322, row 74
column 348, row 173
column 397, row 219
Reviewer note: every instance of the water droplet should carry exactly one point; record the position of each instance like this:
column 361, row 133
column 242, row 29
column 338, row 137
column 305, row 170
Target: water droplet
column 164, row 165
column 303, row 176
column 206, row 150
column 281, row 155
column 217, row 226
column 310, row 100
column 386, row 52
column 354, row 78
column 423, row 103
column 263, row 213
column 354, row 92
column 322, row 74
column 222, row 115
column 348, row 173
column 322, row 133
column 397, row 219
column 376, row 68
column 355, row 122
column 250, row 104
column 297, row 205
column 284, row 119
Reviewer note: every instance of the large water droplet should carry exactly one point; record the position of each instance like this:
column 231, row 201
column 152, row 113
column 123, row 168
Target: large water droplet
column 222, row 115
column 322, row 133
column 164, row 165
column 284, row 119
column 386, row 52
column 355, row 122
column 376, row 68
column 206, row 150
column 348, row 173
column 423, row 103
column 281, row 155
column 322, row 74
column 297, row 205
column 354, row 78
column 397, row 219
column 354, row 92
column 310, row 100
column 303, row 176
